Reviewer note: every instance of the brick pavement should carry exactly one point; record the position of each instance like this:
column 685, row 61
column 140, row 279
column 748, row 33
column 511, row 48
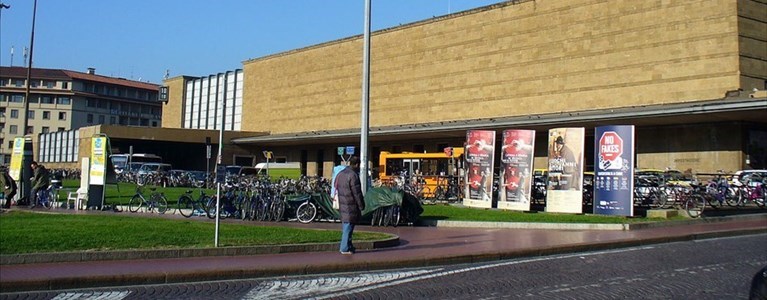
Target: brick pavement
column 418, row 246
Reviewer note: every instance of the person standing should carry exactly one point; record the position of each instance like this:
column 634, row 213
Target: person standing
column 351, row 202
column 40, row 181
column 9, row 186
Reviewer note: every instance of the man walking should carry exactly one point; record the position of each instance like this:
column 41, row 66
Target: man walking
column 349, row 190
column 40, row 181
column 9, row 186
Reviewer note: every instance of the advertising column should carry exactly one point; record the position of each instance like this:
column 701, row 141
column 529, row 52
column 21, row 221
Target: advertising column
column 479, row 153
column 565, row 187
column 97, row 174
column 17, row 156
column 516, row 169
column 614, row 170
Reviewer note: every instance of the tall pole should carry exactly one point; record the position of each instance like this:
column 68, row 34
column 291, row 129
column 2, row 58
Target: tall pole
column 365, row 126
column 4, row 6
column 219, row 161
column 29, row 72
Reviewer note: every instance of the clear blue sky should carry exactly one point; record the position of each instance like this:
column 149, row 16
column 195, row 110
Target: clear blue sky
column 140, row 39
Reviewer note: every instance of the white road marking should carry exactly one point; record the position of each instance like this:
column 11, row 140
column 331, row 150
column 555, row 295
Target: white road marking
column 114, row 295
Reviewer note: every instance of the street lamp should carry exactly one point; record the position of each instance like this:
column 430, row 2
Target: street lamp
column 6, row 6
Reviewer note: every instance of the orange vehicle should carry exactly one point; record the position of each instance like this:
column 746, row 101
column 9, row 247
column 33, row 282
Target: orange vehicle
column 420, row 169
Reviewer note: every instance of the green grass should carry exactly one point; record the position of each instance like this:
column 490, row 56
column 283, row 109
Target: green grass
column 24, row 232
column 458, row 213
column 121, row 194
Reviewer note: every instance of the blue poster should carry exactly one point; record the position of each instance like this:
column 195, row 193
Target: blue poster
column 614, row 170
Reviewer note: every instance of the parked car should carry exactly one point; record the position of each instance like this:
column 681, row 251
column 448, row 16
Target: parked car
column 752, row 177
column 154, row 168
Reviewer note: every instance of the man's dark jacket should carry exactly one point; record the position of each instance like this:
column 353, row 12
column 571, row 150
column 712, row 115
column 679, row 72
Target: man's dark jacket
column 350, row 197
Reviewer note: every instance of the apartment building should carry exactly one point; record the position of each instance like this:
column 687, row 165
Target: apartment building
column 62, row 100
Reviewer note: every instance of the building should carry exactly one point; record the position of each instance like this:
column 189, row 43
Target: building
column 690, row 75
column 64, row 100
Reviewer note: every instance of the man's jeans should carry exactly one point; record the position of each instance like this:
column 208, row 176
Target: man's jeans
column 346, row 237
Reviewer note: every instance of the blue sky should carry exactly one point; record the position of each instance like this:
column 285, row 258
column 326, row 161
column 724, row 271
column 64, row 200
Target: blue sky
column 140, row 39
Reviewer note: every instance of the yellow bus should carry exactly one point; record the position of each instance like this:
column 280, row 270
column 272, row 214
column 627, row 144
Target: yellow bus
column 427, row 166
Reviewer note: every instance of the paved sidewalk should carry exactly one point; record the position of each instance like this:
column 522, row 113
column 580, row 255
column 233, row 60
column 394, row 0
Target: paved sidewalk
column 419, row 246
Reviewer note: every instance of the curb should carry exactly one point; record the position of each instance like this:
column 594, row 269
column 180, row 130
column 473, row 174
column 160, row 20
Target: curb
column 57, row 257
column 583, row 226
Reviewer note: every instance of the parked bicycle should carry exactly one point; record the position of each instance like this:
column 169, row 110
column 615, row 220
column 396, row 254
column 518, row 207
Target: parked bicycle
column 156, row 201
column 188, row 206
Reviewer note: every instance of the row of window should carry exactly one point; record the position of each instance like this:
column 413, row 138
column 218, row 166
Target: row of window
column 34, row 83
column 43, row 99
column 14, row 129
column 117, row 107
column 31, row 114
column 117, row 91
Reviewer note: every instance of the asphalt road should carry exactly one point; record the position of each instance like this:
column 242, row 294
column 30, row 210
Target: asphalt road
column 705, row 269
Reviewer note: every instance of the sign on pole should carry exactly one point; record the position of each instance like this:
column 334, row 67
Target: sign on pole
column 17, row 157
column 98, row 160
column 614, row 170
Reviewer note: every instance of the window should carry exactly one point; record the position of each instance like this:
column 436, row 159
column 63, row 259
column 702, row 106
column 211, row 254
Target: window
column 34, row 99
column 19, row 83
column 101, row 119
column 90, row 119
column 34, row 83
column 14, row 113
column 46, row 115
column 60, row 129
column 62, row 115
column 31, row 115
column 65, row 85
column 46, row 129
column 112, row 120
column 46, row 99
column 13, row 129
column 30, row 129
column 154, row 123
column 63, row 100
column 49, row 84
column 90, row 102
column 10, row 145
column 17, row 98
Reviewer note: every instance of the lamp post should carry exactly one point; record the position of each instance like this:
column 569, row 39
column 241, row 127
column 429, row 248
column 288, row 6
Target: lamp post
column 4, row 6
column 29, row 72
column 365, row 126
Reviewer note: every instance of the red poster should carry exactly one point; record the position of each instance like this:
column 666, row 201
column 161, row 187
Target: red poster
column 479, row 153
column 516, row 169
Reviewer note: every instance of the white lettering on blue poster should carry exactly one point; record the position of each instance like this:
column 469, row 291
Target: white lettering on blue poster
column 614, row 170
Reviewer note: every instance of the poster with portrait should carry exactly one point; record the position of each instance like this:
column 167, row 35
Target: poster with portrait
column 614, row 170
column 516, row 174
column 564, row 191
column 479, row 154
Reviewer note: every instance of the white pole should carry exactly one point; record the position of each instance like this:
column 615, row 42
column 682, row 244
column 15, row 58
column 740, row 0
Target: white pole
column 365, row 126
column 219, row 161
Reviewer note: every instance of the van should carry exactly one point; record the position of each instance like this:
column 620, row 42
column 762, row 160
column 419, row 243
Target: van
column 276, row 170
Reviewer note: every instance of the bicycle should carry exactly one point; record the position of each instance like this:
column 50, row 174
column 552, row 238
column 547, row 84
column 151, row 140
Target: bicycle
column 156, row 201
column 189, row 206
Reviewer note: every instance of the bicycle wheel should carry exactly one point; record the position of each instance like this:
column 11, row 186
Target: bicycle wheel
column 695, row 206
column 186, row 206
column 278, row 209
column 734, row 196
column 761, row 198
column 210, row 208
column 160, row 203
column 395, row 215
column 135, row 203
column 246, row 210
column 374, row 218
column 306, row 212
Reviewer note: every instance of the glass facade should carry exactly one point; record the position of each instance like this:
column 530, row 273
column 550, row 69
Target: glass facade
column 207, row 98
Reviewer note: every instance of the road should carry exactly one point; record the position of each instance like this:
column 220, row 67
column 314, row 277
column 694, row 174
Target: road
column 705, row 269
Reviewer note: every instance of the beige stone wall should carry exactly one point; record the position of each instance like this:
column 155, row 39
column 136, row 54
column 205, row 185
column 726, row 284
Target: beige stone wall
column 752, row 27
column 535, row 57
column 172, row 111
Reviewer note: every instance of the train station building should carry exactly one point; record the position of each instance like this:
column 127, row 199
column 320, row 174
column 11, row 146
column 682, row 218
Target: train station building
column 690, row 75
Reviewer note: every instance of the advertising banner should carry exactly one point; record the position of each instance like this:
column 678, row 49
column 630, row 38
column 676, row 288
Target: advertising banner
column 614, row 170
column 17, row 157
column 479, row 153
column 564, row 192
column 516, row 175
column 98, row 160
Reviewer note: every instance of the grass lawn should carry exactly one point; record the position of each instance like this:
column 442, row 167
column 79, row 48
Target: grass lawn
column 24, row 232
column 458, row 213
